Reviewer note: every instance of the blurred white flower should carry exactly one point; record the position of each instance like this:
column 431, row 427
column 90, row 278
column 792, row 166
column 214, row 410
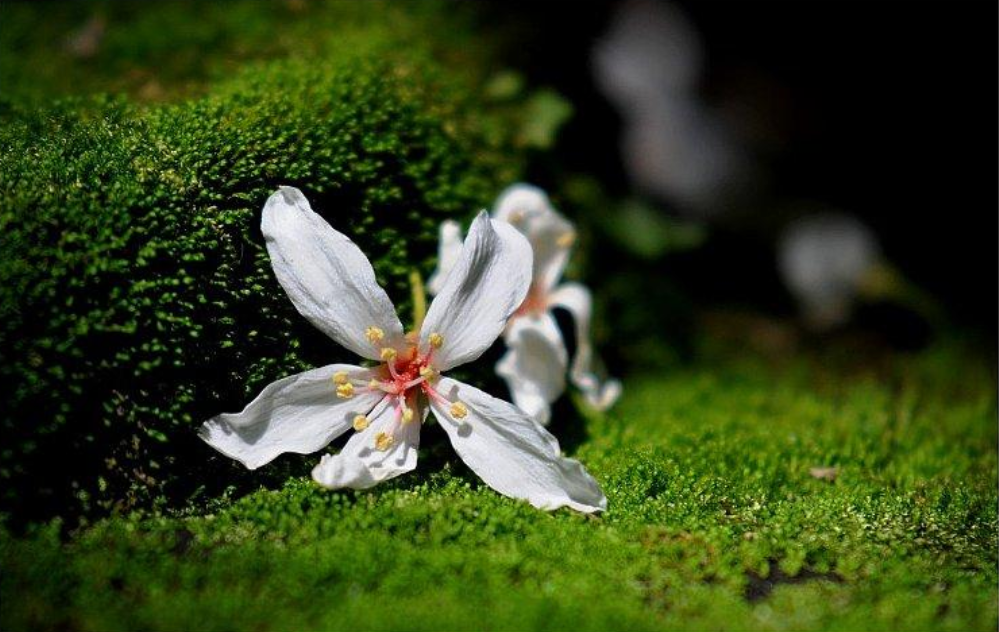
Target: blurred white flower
column 332, row 284
column 535, row 364
column 825, row 259
column 649, row 64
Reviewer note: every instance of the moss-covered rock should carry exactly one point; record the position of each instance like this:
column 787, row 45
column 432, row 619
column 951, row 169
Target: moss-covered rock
column 136, row 297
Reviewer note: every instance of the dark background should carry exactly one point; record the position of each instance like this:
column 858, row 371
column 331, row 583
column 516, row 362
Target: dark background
column 884, row 109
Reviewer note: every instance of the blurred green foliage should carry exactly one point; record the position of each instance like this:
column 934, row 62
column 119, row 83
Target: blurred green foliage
column 136, row 297
column 715, row 521
column 175, row 49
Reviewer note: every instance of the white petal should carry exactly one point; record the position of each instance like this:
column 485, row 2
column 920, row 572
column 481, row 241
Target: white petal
column 486, row 286
column 512, row 453
column 521, row 201
column 326, row 275
column 448, row 253
column 534, row 364
column 360, row 464
column 601, row 394
column 824, row 259
column 300, row 413
column 551, row 235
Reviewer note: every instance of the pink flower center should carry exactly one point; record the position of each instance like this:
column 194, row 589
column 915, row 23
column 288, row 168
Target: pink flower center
column 406, row 376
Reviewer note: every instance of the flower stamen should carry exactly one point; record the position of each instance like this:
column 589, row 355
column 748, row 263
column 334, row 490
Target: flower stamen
column 407, row 414
column 383, row 441
column 374, row 334
column 345, row 391
column 340, row 377
column 410, row 384
column 361, row 423
column 458, row 410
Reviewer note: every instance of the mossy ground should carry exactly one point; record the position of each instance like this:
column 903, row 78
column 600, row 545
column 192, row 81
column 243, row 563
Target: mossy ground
column 714, row 522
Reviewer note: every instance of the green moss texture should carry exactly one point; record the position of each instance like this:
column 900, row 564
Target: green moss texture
column 715, row 522
column 136, row 297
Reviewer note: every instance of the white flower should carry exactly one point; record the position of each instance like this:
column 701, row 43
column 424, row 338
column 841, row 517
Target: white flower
column 332, row 284
column 535, row 363
column 673, row 145
column 825, row 259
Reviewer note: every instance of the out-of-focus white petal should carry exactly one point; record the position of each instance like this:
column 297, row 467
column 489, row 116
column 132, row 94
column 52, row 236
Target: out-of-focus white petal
column 326, row 275
column 550, row 234
column 601, row 394
column 823, row 259
column 519, row 202
column 676, row 148
column 534, row 364
column 361, row 464
column 650, row 48
column 448, row 253
column 512, row 453
column 486, row 286
column 300, row 413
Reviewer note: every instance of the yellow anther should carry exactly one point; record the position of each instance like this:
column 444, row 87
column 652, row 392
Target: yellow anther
column 374, row 334
column 427, row 372
column 388, row 353
column 407, row 415
column 374, row 383
column 340, row 377
column 459, row 410
column 361, row 423
column 436, row 340
column 566, row 239
column 383, row 441
column 345, row 391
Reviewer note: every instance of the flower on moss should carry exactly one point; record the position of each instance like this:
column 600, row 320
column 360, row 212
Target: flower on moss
column 536, row 360
column 332, row 284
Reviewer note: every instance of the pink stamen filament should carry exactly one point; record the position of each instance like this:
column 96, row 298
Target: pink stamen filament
column 392, row 371
column 434, row 395
column 410, row 384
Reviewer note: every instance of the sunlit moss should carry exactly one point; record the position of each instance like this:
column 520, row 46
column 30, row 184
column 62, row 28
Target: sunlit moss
column 715, row 522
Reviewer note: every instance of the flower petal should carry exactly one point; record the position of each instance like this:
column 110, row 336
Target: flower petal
column 551, row 235
column 521, row 201
column 488, row 283
column 512, row 453
column 601, row 394
column 361, row 464
column 299, row 413
column 534, row 364
column 326, row 275
column 448, row 253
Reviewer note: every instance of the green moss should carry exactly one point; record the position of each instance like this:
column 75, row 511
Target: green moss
column 159, row 53
column 714, row 523
column 136, row 298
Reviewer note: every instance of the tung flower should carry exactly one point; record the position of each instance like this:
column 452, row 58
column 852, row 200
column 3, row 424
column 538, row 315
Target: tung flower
column 535, row 363
column 332, row 284
column 827, row 260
